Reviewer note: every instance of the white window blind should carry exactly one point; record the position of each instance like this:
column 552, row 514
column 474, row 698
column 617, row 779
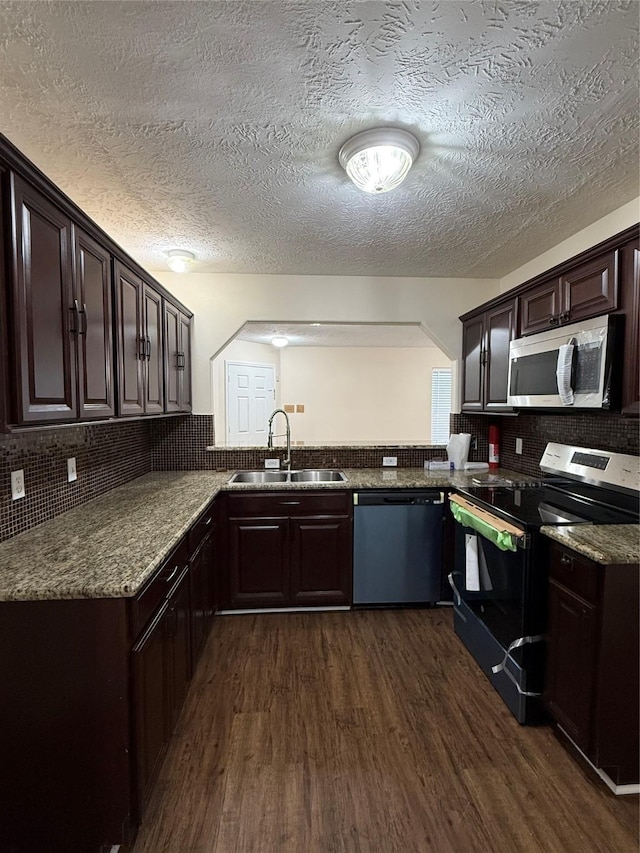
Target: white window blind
column 440, row 404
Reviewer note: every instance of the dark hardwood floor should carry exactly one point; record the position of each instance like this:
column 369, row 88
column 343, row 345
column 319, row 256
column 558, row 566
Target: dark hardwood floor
column 366, row 732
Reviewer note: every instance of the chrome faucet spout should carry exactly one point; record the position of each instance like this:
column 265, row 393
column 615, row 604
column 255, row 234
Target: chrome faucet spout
column 287, row 461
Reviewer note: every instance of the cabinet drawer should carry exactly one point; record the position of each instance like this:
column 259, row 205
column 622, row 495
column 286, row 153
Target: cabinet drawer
column 288, row 503
column 574, row 572
column 201, row 528
column 157, row 588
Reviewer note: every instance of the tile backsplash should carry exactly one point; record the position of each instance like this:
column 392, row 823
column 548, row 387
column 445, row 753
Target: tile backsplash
column 109, row 455
column 601, row 431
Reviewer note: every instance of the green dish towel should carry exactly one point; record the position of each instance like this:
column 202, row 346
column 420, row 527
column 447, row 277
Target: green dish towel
column 500, row 538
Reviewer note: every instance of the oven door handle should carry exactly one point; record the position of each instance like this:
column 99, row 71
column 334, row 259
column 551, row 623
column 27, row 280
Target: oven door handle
column 502, row 666
column 503, row 534
column 456, row 594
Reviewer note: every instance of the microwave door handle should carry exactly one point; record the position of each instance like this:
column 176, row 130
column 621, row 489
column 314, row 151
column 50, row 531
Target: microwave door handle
column 565, row 372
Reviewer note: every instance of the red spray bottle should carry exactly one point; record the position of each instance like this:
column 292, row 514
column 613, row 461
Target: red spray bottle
column 494, row 446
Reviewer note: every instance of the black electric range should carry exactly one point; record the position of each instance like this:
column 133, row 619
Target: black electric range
column 500, row 574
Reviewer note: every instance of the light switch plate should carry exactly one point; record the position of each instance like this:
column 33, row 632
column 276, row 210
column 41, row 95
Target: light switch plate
column 17, row 485
column 72, row 473
column 271, row 463
column 389, row 461
column 519, row 446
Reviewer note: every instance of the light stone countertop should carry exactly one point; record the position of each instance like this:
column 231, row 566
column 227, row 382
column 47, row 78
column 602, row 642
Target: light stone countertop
column 110, row 546
column 607, row 543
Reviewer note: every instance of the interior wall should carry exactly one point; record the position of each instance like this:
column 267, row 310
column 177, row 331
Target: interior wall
column 613, row 223
column 353, row 395
column 223, row 303
column 238, row 351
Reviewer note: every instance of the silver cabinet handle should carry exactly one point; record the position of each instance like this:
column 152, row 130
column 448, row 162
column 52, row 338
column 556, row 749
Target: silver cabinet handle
column 85, row 323
column 173, row 573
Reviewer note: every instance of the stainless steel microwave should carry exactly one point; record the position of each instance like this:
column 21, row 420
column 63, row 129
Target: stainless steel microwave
column 566, row 367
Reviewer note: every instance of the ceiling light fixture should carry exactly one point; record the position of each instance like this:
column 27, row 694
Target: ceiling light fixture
column 279, row 341
column 179, row 260
column 379, row 160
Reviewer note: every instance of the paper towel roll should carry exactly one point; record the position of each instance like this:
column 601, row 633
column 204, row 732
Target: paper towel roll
column 458, row 449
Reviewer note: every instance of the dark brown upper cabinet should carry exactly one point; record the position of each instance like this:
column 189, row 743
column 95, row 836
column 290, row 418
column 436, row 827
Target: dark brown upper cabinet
column 61, row 300
column 66, row 354
column 631, row 305
column 586, row 290
column 139, row 344
column 177, row 356
column 485, row 357
column 94, row 326
column 44, row 319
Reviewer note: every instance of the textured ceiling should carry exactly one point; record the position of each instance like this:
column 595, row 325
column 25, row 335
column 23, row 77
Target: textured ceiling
column 337, row 334
column 215, row 126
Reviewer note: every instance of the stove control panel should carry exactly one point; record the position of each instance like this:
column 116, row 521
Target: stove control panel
column 601, row 467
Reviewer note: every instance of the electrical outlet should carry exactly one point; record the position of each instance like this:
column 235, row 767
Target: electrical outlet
column 519, row 446
column 389, row 461
column 72, row 473
column 17, row 485
column 271, row 463
column 473, row 444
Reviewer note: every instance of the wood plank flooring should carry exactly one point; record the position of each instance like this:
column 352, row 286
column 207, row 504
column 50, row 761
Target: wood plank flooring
column 366, row 732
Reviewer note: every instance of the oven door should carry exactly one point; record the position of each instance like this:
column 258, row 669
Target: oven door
column 498, row 601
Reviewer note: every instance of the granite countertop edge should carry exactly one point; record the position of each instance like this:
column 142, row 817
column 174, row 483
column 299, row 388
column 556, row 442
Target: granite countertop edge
column 110, row 546
column 608, row 544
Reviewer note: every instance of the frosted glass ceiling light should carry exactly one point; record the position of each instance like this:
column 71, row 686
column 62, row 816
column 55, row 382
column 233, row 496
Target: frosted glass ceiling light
column 279, row 341
column 379, row 160
column 179, row 260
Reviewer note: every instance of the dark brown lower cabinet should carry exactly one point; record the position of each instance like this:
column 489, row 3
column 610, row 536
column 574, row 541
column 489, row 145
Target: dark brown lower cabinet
column 92, row 690
column 65, row 752
column 289, row 549
column 592, row 685
column 319, row 561
column 258, row 562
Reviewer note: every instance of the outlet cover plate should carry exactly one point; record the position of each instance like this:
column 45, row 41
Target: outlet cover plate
column 389, row 461
column 17, row 485
column 519, row 446
column 72, row 473
column 271, row 463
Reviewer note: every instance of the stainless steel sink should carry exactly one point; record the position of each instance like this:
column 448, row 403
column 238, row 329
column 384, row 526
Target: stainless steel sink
column 309, row 475
column 317, row 475
column 260, row 477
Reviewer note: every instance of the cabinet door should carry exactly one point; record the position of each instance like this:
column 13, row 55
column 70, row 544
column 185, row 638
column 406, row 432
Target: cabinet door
column 92, row 276
column 571, row 663
column 130, row 345
column 631, row 295
column 500, row 324
column 472, row 363
column 258, row 562
column 540, row 307
column 178, row 649
column 201, row 578
column 150, row 705
column 321, row 563
column 154, row 362
column 185, row 363
column 590, row 289
column 172, row 357
column 45, row 345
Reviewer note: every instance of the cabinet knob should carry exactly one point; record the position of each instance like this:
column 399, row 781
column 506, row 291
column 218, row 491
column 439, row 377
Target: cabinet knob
column 553, row 321
column 566, row 561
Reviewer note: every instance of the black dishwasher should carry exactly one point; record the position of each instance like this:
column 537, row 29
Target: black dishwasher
column 397, row 546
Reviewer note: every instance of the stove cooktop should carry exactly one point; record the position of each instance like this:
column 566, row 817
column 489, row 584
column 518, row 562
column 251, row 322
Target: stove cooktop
column 534, row 506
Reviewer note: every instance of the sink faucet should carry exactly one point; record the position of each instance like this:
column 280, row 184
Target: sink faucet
column 287, row 461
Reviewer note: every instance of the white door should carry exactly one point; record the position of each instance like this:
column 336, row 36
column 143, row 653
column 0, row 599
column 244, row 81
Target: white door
column 250, row 400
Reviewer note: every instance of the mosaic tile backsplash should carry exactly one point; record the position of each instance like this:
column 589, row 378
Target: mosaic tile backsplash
column 109, row 455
